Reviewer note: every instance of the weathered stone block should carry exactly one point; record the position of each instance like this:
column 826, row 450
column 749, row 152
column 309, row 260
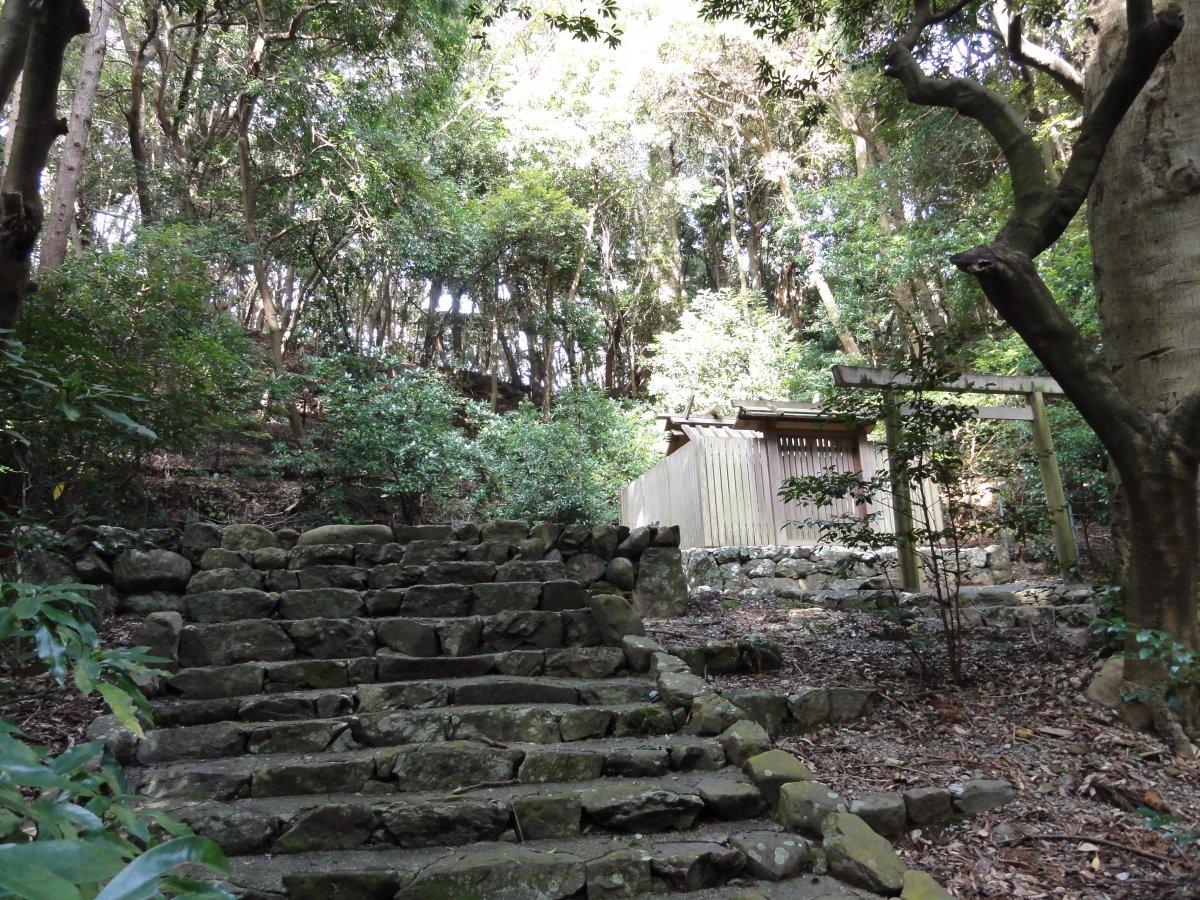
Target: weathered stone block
column 731, row 800
column 346, row 534
column 774, row 856
column 505, row 595
column 803, row 806
column 305, row 555
column 234, row 642
column 771, row 770
column 229, row 605
column 151, row 570
column 858, row 855
column 695, row 865
column 925, row 805
column 247, row 537
column 159, row 634
column 539, row 816
column 333, row 577
column 336, row 603
column 661, row 590
column 884, row 812
column 981, row 794
column 333, row 638
column 408, row 636
column 742, row 740
column 224, row 579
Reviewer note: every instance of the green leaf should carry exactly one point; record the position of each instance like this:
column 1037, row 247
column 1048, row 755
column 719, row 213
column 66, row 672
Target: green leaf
column 20, row 879
column 52, row 652
column 122, row 706
column 125, row 422
column 139, row 879
column 82, row 862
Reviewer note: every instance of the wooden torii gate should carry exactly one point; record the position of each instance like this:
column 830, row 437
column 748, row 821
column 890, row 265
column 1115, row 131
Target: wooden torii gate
column 1035, row 389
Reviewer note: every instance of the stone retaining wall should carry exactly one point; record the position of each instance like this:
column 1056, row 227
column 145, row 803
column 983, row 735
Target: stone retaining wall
column 792, row 571
column 140, row 572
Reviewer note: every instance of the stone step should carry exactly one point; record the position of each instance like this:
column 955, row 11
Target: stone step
column 276, row 640
column 672, row 802
column 426, row 694
column 425, row 767
column 600, row 865
column 317, row 575
column 541, row 724
column 243, row 679
column 422, row 600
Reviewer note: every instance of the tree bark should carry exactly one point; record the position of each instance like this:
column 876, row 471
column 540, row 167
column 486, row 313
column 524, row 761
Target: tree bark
column 37, row 126
column 1144, row 217
column 70, row 163
column 735, row 245
column 16, row 19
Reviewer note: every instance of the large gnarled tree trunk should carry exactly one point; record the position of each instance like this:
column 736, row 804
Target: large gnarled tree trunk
column 1151, row 431
column 1144, row 216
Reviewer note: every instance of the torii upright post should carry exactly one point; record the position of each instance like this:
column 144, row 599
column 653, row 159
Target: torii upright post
column 910, row 570
column 1056, row 496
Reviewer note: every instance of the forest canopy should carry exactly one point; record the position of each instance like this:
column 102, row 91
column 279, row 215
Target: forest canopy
column 292, row 234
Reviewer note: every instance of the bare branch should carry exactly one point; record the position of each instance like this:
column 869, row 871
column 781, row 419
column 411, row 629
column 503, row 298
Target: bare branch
column 1036, row 56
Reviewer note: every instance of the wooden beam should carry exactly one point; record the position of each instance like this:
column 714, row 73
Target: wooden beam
column 869, row 378
column 1001, row 413
column 1056, row 497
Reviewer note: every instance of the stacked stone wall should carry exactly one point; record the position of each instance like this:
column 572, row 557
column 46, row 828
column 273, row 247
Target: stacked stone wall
column 795, row 572
column 143, row 572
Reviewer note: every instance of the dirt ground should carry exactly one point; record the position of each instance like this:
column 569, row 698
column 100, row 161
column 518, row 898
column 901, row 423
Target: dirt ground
column 1081, row 774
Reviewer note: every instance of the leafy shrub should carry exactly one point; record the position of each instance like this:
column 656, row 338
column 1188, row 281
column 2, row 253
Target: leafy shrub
column 384, row 431
column 134, row 334
column 48, row 626
column 68, row 830
column 68, row 827
column 569, row 465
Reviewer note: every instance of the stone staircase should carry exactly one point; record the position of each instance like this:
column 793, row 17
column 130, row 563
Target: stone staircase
column 446, row 721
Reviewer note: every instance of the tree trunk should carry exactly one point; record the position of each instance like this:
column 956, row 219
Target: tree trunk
column 70, row 162
column 133, row 118
column 273, row 322
column 743, row 281
column 36, row 128
column 15, row 21
column 1144, row 217
column 432, row 324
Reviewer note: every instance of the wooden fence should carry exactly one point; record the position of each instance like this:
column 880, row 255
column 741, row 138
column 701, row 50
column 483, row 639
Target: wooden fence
column 719, row 488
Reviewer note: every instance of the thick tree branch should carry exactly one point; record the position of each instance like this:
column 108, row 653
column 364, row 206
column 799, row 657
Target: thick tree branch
column 1040, row 213
column 1030, row 180
column 1012, row 285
